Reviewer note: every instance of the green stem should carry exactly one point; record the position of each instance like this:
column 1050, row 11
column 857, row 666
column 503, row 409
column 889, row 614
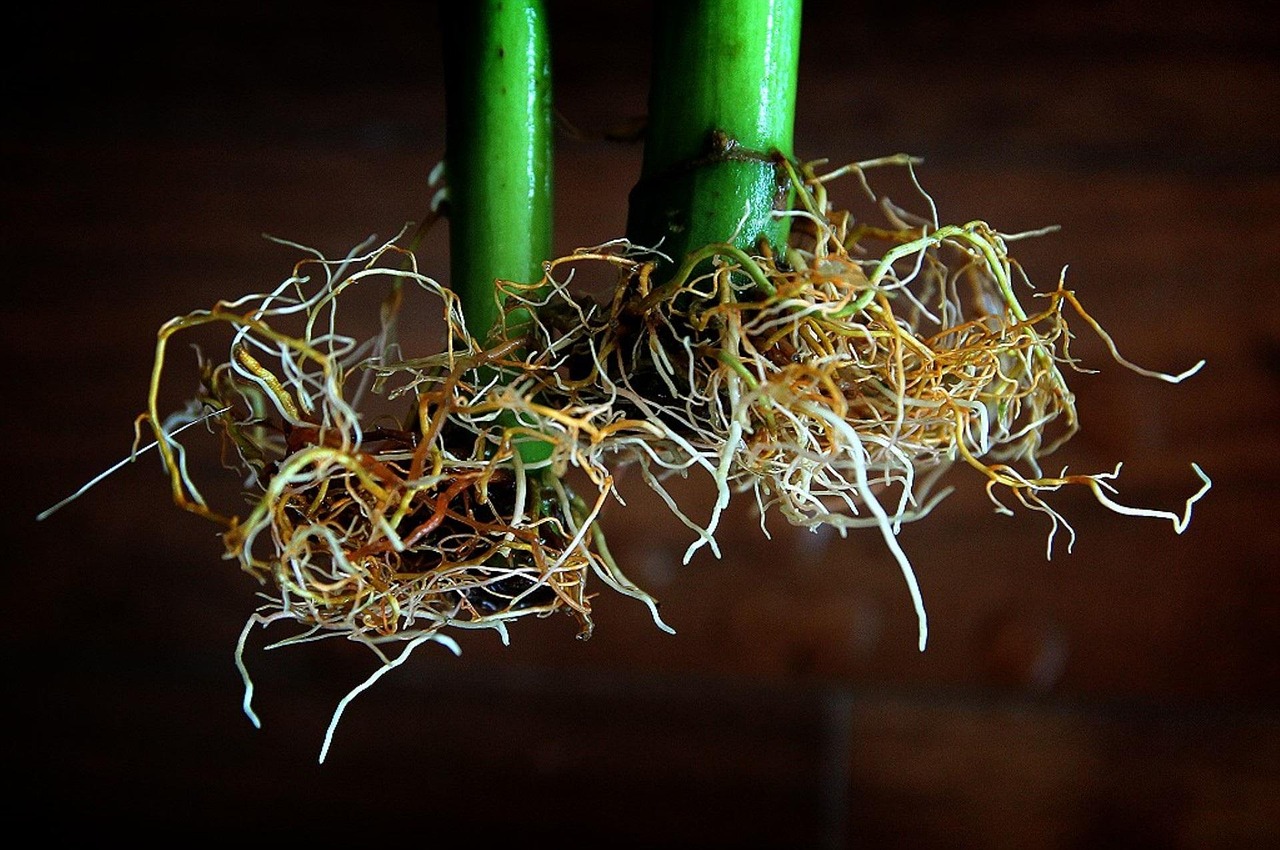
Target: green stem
column 721, row 120
column 498, row 159
column 498, row 153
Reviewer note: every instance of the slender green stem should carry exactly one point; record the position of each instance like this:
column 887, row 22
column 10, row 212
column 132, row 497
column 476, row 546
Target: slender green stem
column 721, row 121
column 498, row 153
column 498, row 158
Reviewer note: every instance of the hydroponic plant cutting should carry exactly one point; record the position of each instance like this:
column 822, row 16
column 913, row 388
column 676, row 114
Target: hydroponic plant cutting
column 772, row 325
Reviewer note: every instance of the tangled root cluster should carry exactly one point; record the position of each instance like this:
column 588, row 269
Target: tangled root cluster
column 835, row 381
column 387, row 530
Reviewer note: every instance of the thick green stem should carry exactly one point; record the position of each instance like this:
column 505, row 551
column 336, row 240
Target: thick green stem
column 498, row 153
column 498, row 158
column 721, row 118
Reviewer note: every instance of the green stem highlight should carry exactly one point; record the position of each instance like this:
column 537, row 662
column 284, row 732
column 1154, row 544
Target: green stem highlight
column 721, row 121
column 498, row 155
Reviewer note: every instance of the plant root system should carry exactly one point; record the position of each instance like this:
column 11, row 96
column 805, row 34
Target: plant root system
column 835, row 381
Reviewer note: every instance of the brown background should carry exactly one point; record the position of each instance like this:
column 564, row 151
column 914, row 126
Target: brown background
column 1125, row 694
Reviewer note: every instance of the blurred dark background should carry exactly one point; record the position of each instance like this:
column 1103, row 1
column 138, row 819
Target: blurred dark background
column 1125, row 694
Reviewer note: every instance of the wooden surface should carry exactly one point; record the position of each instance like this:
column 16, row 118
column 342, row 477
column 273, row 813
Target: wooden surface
column 1125, row 694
